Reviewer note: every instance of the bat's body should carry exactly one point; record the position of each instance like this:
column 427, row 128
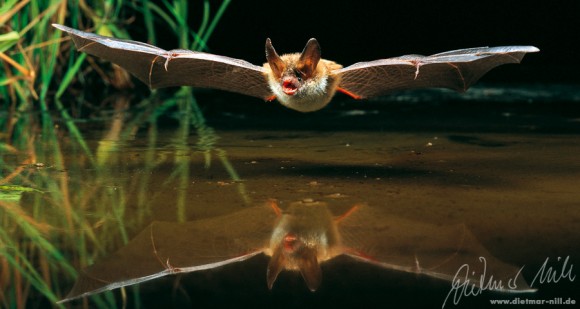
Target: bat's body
column 303, row 82
column 299, row 238
column 304, row 236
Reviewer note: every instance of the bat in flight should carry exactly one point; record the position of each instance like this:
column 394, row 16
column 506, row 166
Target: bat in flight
column 300, row 81
column 300, row 238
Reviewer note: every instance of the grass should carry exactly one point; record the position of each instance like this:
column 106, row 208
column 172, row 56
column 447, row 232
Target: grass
column 58, row 211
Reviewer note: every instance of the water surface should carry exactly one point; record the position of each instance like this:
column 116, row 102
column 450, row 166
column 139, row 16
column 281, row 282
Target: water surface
column 507, row 169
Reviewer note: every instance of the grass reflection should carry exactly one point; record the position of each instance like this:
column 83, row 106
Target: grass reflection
column 66, row 199
column 69, row 205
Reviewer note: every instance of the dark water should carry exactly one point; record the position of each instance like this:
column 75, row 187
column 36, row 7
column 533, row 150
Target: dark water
column 502, row 161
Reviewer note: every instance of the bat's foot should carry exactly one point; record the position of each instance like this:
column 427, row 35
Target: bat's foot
column 347, row 213
column 348, row 93
column 274, row 204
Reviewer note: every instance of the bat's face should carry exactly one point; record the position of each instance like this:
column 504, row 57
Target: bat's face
column 304, row 236
column 301, row 81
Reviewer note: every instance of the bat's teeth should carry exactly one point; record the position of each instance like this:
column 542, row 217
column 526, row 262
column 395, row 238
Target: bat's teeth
column 289, row 87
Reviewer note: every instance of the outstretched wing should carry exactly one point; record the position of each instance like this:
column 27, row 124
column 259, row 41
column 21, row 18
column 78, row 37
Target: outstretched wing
column 456, row 70
column 165, row 248
column 450, row 253
column 160, row 68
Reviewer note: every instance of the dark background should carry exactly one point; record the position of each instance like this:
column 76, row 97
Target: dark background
column 353, row 31
column 365, row 30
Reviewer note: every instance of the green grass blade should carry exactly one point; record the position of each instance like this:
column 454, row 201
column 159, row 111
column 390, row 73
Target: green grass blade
column 70, row 75
column 8, row 40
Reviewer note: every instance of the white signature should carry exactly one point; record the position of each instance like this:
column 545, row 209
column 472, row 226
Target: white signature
column 551, row 275
column 461, row 285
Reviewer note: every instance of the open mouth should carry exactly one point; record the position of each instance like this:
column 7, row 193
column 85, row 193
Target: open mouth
column 289, row 87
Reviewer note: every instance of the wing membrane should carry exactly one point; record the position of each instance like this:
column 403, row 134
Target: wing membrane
column 165, row 248
column 457, row 70
column 160, row 68
column 438, row 251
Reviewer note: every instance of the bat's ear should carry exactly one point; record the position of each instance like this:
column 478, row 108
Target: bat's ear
column 277, row 263
column 310, row 269
column 275, row 62
column 309, row 58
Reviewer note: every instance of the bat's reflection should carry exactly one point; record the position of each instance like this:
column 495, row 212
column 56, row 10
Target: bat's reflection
column 299, row 238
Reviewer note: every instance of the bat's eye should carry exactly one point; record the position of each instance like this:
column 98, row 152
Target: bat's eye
column 299, row 75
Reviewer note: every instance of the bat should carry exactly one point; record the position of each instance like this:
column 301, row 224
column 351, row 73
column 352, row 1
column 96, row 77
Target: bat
column 300, row 81
column 298, row 238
